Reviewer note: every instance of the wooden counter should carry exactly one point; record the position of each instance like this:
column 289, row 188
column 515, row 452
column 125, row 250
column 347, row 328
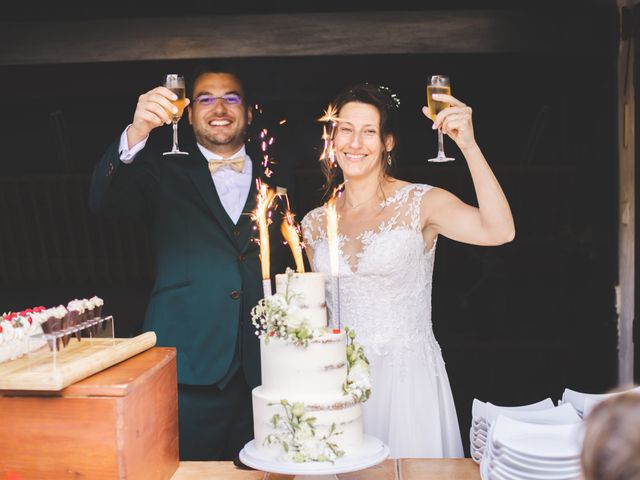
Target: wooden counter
column 404, row 469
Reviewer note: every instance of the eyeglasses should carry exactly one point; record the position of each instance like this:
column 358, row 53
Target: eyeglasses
column 228, row 99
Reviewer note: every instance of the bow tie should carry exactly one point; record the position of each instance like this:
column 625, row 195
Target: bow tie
column 237, row 163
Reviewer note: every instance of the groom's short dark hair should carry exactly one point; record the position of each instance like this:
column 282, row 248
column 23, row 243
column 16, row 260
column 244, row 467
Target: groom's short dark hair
column 218, row 66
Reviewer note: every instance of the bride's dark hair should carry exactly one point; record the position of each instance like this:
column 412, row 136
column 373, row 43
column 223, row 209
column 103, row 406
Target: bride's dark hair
column 387, row 104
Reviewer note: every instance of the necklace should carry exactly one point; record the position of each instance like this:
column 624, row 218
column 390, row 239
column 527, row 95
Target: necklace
column 353, row 207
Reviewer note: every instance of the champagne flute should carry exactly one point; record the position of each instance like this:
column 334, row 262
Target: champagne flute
column 175, row 83
column 438, row 84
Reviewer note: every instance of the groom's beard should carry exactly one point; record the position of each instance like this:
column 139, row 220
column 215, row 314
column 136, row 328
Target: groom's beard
column 210, row 139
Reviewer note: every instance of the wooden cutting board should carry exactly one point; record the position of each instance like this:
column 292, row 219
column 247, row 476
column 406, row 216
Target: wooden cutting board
column 76, row 361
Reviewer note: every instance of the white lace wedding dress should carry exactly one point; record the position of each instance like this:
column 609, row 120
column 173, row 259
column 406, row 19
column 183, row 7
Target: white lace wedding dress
column 385, row 295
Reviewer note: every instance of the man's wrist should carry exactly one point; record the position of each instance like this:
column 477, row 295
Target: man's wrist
column 134, row 136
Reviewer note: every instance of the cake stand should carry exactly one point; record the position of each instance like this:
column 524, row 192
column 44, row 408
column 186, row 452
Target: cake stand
column 371, row 452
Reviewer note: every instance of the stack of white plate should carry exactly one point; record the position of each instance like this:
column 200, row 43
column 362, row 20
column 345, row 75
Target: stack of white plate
column 584, row 402
column 518, row 450
column 484, row 413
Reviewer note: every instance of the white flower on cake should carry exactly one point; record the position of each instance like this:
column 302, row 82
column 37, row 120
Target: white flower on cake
column 295, row 432
column 277, row 316
column 358, row 383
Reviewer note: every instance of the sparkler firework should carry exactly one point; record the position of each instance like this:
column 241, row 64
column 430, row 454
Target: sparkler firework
column 334, row 255
column 328, row 153
column 262, row 216
column 264, row 144
column 291, row 233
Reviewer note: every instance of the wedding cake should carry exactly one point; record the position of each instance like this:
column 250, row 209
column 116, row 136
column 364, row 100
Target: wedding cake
column 313, row 378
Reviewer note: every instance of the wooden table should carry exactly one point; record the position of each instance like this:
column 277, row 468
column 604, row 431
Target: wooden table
column 404, row 469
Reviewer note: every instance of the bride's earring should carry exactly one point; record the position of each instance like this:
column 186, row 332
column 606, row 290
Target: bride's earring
column 389, row 158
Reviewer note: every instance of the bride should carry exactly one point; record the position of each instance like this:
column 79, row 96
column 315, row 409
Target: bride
column 388, row 230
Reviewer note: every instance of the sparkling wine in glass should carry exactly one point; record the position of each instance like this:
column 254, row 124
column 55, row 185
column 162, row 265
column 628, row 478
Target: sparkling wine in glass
column 438, row 84
column 175, row 83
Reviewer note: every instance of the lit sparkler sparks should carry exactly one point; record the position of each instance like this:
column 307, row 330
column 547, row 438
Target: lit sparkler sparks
column 265, row 143
column 334, row 251
column 262, row 215
column 332, row 233
column 291, row 233
column 330, row 116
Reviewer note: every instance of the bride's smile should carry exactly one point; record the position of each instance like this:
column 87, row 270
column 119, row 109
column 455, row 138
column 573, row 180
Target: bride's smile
column 358, row 142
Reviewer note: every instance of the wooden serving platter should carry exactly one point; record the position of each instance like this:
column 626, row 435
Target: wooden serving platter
column 76, row 361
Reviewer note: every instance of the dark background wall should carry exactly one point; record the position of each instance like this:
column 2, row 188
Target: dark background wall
column 516, row 323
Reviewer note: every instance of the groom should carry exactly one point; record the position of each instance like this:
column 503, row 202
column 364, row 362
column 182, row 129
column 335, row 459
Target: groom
column 207, row 271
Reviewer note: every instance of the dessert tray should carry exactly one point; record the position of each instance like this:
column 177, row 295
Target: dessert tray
column 371, row 452
column 56, row 360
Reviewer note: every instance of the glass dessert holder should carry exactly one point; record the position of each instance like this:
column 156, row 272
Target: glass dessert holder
column 92, row 331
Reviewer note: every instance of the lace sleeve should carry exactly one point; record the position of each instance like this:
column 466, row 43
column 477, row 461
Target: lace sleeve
column 313, row 227
column 416, row 204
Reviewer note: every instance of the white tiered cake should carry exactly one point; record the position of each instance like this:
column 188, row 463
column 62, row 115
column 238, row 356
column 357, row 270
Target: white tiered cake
column 308, row 406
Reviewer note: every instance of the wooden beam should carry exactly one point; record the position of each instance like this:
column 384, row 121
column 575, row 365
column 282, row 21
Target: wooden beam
column 419, row 32
column 625, row 290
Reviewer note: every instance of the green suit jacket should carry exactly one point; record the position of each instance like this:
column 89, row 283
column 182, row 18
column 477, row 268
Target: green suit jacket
column 207, row 270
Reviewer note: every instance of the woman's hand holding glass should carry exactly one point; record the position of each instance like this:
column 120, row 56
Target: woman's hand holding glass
column 455, row 121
